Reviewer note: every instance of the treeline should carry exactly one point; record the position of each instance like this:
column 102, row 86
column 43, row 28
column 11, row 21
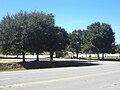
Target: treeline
column 35, row 32
column 98, row 38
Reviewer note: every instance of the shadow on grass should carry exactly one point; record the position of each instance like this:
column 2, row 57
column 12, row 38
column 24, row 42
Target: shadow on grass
column 54, row 64
column 10, row 58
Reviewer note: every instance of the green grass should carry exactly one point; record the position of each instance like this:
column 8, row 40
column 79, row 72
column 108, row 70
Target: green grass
column 108, row 58
column 112, row 58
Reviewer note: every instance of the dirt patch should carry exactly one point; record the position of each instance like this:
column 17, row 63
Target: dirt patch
column 10, row 66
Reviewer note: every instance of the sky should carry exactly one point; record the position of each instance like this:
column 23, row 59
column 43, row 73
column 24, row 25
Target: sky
column 70, row 14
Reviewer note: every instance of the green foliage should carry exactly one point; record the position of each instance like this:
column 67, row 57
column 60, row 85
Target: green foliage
column 35, row 32
column 31, row 32
column 98, row 38
column 6, row 35
column 25, row 32
column 117, row 48
column 40, row 26
column 87, row 42
column 75, row 39
column 102, row 37
column 57, row 40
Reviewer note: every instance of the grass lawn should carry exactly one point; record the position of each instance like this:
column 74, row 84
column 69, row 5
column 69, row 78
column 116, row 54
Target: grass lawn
column 108, row 58
column 112, row 58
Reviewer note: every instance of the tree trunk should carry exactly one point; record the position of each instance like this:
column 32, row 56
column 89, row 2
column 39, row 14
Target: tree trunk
column 51, row 56
column 37, row 56
column 86, row 55
column 98, row 56
column 73, row 54
column 77, row 53
column 23, row 54
column 90, row 56
column 102, row 56
column 119, row 54
column 17, row 56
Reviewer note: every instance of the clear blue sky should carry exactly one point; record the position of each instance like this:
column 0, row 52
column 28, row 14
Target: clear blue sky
column 70, row 14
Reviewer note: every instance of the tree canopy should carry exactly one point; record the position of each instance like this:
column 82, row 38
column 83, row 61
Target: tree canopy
column 25, row 32
column 101, row 37
column 35, row 32
column 75, row 39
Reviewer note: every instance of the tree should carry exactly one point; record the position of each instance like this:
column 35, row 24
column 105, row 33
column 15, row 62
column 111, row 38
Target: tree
column 86, row 41
column 40, row 25
column 25, row 32
column 75, row 41
column 13, row 34
column 117, row 49
column 108, row 38
column 102, row 37
column 56, row 40
column 6, row 35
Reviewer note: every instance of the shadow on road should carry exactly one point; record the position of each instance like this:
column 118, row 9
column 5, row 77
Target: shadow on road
column 54, row 64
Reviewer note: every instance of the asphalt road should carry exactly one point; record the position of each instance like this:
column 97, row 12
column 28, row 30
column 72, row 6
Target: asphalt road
column 100, row 77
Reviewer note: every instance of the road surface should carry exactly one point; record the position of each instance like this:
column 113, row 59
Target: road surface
column 100, row 77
